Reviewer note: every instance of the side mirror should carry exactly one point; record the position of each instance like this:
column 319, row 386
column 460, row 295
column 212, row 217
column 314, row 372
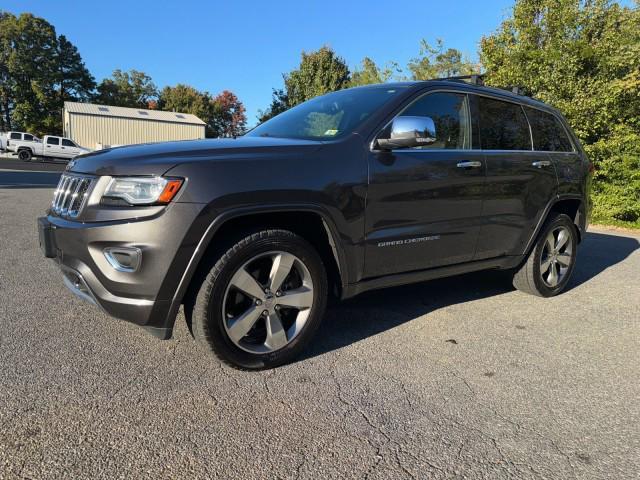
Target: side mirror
column 408, row 132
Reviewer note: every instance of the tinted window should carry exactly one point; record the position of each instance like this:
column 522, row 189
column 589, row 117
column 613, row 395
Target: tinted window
column 503, row 125
column 548, row 133
column 450, row 114
column 28, row 137
column 16, row 136
column 328, row 116
column 53, row 141
column 68, row 143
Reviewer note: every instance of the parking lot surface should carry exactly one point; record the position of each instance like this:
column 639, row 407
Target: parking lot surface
column 457, row 378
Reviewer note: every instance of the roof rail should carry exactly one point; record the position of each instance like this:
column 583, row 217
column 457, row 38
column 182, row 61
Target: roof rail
column 475, row 79
column 478, row 79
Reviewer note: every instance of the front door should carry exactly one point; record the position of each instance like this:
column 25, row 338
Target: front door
column 52, row 147
column 69, row 149
column 424, row 203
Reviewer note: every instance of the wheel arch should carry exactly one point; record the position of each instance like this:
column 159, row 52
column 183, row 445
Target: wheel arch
column 572, row 206
column 309, row 221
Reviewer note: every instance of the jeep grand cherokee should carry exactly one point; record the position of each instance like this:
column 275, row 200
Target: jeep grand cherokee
column 355, row 190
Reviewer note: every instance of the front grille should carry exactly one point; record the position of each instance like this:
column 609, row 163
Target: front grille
column 71, row 195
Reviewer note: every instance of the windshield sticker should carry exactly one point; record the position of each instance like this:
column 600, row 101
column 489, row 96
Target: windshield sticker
column 331, row 132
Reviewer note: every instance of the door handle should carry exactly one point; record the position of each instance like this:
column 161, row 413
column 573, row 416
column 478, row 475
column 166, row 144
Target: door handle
column 474, row 164
column 541, row 163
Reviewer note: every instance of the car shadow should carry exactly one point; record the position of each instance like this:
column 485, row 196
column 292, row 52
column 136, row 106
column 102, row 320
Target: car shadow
column 25, row 179
column 375, row 312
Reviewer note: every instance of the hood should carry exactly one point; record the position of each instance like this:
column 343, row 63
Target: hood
column 157, row 158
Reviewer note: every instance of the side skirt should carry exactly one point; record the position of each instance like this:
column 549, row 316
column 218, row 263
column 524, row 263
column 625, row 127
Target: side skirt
column 500, row 263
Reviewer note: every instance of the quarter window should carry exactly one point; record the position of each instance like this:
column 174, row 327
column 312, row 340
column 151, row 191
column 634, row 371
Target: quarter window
column 548, row 133
column 53, row 141
column 503, row 125
column 450, row 114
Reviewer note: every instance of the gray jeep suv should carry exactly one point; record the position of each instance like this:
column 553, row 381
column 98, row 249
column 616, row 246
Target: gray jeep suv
column 355, row 190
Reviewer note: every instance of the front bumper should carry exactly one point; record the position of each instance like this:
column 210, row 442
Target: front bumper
column 143, row 297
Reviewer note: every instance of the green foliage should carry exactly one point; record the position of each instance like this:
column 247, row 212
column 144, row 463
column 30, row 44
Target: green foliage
column 319, row 72
column 279, row 103
column 369, row 73
column 436, row 62
column 323, row 71
column 133, row 89
column 584, row 59
column 224, row 114
column 38, row 71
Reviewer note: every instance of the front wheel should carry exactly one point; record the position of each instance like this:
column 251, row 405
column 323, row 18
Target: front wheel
column 548, row 267
column 25, row 155
column 262, row 301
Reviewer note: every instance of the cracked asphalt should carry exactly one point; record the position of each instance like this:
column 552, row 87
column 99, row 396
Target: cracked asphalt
column 457, row 378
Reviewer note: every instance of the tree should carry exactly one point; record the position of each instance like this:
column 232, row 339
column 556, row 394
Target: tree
column 38, row 71
column 30, row 86
column 436, row 62
column 370, row 73
column 133, row 89
column 74, row 80
column 279, row 103
column 229, row 118
column 224, row 114
column 584, row 59
column 319, row 72
column 186, row 99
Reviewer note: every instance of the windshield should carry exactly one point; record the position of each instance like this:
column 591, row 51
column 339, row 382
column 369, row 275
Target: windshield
column 328, row 116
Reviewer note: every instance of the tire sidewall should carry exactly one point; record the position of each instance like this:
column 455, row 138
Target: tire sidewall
column 226, row 268
column 559, row 221
column 25, row 155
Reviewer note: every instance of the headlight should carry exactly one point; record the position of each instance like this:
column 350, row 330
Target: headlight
column 142, row 190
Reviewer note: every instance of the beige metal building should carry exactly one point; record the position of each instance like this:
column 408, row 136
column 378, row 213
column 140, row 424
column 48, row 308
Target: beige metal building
column 100, row 126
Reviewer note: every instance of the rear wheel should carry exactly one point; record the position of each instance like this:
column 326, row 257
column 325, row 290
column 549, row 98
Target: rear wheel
column 262, row 301
column 25, row 155
column 548, row 267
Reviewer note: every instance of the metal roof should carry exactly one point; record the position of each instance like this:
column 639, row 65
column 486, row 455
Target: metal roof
column 136, row 113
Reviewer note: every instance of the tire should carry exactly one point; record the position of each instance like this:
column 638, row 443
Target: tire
column 271, row 332
column 25, row 155
column 550, row 263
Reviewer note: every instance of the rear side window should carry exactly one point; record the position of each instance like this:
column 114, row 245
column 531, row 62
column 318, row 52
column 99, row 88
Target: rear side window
column 15, row 136
column 548, row 133
column 68, row 143
column 53, row 141
column 503, row 125
column 450, row 114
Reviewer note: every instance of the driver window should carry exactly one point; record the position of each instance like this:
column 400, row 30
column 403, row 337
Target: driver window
column 450, row 114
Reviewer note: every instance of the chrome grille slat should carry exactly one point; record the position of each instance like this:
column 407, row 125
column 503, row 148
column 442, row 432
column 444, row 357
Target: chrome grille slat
column 67, row 196
column 63, row 188
column 71, row 195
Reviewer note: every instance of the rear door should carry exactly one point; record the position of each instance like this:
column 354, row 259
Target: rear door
column 520, row 181
column 550, row 136
column 424, row 204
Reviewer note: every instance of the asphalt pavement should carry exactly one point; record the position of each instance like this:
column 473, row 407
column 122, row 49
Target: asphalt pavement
column 456, row 378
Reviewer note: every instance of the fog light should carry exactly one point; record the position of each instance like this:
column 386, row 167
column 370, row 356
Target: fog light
column 124, row 259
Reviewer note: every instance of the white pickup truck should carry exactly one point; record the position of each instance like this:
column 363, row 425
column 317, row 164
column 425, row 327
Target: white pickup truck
column 28, row 146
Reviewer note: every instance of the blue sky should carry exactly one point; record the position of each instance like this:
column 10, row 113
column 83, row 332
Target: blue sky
column 245, row 46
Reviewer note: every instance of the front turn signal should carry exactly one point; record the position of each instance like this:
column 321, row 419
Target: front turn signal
column 169, row 191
